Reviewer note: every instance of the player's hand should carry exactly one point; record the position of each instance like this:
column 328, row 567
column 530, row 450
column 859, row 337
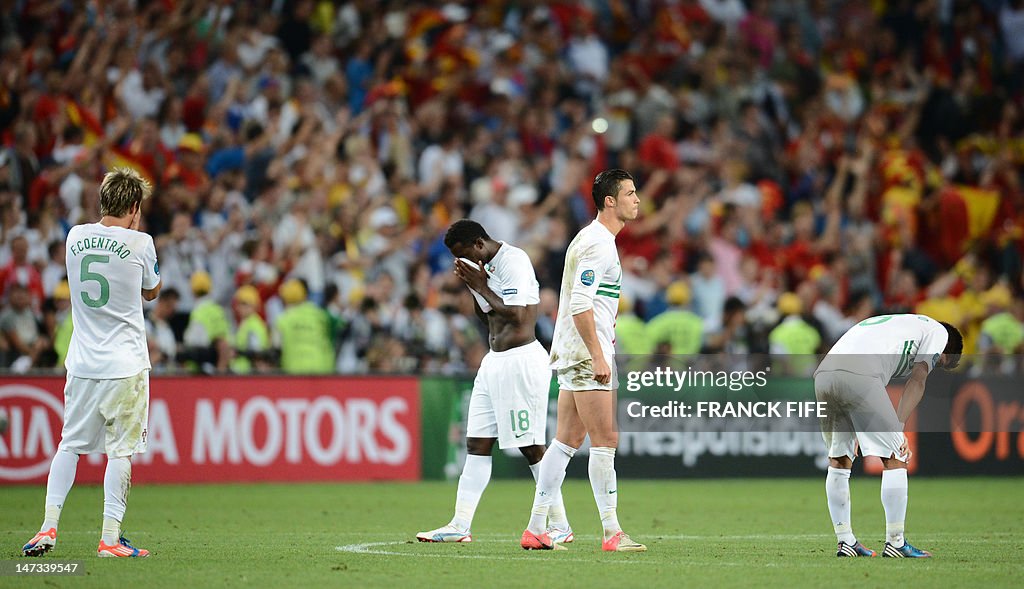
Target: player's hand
column 905, row 449
column 475, row 277
column 136, row 219
column 602, row 371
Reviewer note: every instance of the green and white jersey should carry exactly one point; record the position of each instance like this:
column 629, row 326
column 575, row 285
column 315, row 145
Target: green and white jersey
column 107, row 269
column 887, row 346
column 591, row 280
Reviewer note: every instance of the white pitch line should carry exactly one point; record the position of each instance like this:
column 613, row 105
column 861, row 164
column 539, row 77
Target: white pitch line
column 371, row 548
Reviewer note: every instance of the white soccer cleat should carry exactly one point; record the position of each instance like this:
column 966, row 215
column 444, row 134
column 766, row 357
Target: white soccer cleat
column 448, row 533
column 561, row 536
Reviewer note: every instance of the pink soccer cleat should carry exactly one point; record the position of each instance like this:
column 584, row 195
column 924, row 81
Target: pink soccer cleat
column 41, row 543
column 123, row 549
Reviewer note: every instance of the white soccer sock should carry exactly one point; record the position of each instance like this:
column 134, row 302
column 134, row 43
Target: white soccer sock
column 894, row 500
column 602, row 481
column 111, row 533
column 58, row 485
column 556, row 513
column 549, row 482
column 475, row 476
column 117, row 481
column 837, row 491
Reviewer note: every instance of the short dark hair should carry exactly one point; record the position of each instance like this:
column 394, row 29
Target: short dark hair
column 464, row 232
column 607, row 184
column 954, row 345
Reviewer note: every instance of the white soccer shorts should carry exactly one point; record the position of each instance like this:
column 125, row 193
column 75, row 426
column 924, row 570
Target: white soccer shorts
column 580, row 377
column 510, row 397
column 859, row 410
column 108, row 416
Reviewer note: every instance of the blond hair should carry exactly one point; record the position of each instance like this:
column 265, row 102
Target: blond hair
column 121, row 188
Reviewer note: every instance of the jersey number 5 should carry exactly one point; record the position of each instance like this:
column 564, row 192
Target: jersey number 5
column 88, row 276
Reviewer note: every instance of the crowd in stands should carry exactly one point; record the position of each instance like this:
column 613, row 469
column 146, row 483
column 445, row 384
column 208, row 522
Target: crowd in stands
column 802, row 164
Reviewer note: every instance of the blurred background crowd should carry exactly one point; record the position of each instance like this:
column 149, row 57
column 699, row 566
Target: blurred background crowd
column 803, row 165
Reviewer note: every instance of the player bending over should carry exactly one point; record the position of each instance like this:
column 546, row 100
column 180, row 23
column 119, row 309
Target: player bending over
column 582, row 354
column 510, row 393
column 111, row 267
column 852, row 379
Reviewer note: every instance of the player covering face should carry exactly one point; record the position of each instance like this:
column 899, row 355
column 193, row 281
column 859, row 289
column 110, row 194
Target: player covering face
column 582, row 354
column 111, row 267
column 510, row 393
column 852, row 379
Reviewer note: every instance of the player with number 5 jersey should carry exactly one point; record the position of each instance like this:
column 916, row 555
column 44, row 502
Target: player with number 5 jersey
column 112, row 267
column 852, row 379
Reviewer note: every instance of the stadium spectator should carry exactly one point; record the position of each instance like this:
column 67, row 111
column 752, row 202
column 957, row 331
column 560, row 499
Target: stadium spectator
column 302, row 333
column 631, row 333
column 252, row 338
column 163, row 343
column 677, row 325
column 23, row 339
column 63, row 326
column 794, row 336
column 21, row 271
column 207, row 338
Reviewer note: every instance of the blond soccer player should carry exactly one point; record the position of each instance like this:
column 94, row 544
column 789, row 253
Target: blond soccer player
column 582, row 354
column 112, row 267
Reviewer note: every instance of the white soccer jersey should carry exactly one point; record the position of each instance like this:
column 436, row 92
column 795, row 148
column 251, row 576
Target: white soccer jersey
column 107, row 269
column 888, row 346
column 591, row 280
column 510, row 275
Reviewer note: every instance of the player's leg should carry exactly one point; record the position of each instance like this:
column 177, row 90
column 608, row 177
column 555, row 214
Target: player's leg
column 837, row 494
column 595, row 406
column 569, row 436
column 58, row 485
column 891, row 448
column 841, row 444
column 558, row 523
column 481, row 433
column 82, row 433
column 125, row 405
column 523, row 399
column 476, row 474
column 890, row 445
column 596, row 409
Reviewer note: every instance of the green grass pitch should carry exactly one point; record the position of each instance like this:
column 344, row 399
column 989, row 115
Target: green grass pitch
column 699, row 533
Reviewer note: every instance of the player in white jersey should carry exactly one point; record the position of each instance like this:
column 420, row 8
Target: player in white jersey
column 852, row 379
column 509, row 403
column 112, row 267
column 582, row 354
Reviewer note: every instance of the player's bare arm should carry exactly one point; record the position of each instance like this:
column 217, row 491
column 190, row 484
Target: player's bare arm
column 585, row 325
column 480, row 314
column 913, row 392
column 150, row 294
